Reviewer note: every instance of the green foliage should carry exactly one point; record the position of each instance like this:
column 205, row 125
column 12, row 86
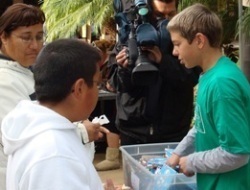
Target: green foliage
column 65, row 17
column 245, row 24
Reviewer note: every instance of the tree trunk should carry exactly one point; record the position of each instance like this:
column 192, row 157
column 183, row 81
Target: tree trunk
column 245, row 56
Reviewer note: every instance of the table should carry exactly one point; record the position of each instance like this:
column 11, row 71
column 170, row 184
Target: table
column 106, row 95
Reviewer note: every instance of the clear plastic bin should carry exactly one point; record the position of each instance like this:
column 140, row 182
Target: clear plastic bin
column 140, row 178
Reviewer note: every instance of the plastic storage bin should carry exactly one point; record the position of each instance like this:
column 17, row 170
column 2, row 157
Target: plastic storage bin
column 140, row 178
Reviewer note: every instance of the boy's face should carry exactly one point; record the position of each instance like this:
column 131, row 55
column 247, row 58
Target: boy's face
column 92, row 96
column 187, row 53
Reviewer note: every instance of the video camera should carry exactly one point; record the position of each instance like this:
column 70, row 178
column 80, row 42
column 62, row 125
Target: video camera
column 135, row 31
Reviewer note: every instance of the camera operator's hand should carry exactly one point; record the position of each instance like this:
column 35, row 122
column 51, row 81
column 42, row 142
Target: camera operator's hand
column 122, row 58
column 154, row 53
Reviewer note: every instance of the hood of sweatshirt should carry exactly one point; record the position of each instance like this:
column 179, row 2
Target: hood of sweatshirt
column 27, row 120
column 15, row 66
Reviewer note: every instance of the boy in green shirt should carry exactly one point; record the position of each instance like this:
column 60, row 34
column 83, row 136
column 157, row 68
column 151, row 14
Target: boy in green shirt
column 217, row 148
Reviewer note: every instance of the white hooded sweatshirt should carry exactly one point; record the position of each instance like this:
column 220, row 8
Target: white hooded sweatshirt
column 16, row 84
column 45, row 152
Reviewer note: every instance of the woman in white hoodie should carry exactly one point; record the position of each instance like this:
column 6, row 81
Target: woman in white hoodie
column 21, row 39
column 21, row 34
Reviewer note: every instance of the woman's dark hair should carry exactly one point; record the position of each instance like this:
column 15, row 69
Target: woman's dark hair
column 60, row 64
column 20, row 14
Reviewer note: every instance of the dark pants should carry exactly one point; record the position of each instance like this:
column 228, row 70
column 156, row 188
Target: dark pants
column 108, row 108
column 130, row 139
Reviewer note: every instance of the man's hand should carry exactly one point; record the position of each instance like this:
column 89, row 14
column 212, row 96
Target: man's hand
column 153, row 52
column 95, row 130
column 122, row 58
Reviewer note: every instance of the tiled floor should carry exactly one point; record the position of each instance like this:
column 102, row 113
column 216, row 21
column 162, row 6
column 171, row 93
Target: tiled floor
column 115, row 175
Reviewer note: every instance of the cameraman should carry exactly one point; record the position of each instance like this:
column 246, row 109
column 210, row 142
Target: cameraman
column 161, row 112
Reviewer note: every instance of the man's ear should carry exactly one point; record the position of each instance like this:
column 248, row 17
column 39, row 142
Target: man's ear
column 79, row 88
column 200, row 40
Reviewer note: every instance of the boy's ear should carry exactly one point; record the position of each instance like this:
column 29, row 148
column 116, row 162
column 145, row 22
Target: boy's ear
column 200, row 39
column 3, row 37
column 79, row 87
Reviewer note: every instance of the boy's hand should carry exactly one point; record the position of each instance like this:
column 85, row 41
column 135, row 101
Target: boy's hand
column 183, row 167
column 173, row 161
column 109, row 185
column 95, row 130
column 109, row 87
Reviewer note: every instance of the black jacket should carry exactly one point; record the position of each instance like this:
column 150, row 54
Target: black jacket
column 163, row 110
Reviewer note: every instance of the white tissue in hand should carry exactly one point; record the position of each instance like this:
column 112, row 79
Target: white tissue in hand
column 101, row 120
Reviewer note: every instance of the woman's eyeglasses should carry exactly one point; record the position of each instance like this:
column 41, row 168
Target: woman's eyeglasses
column 29, row 39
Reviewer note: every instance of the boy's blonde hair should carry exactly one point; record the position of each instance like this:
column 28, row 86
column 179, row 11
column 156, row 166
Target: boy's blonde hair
column 197, row 19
